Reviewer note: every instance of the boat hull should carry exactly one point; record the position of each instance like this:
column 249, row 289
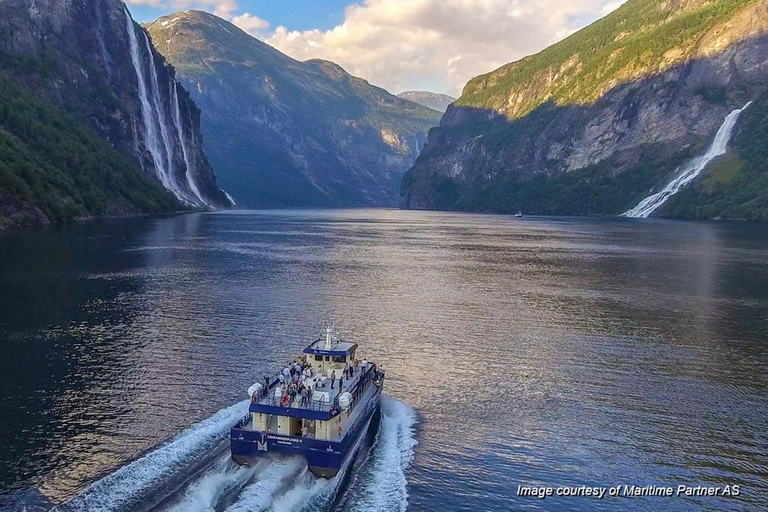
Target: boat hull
column 324, row 458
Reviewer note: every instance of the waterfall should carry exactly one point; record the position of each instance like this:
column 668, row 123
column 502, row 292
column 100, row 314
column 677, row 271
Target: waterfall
column 163, row 122
column 690, row 171
column 184, row 151
column 150, row 130
column 160, row 137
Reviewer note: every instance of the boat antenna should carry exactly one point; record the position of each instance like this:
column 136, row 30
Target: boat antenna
column 329, row 335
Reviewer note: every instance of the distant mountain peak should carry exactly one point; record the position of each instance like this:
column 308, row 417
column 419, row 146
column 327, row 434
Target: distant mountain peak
column 433, row 100
column 287, row 133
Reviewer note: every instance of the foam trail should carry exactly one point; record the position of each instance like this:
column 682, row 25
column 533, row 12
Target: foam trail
column 308, row 491
column 384, row 484
column 260, row 494
column 223, row 478
column 127, row 486
column 650, row 204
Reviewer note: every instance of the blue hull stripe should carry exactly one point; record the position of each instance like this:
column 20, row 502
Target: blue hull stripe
column 249, row 445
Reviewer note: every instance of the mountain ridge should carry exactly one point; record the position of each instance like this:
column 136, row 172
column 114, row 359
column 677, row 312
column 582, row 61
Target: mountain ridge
column 433, row 100
column 573, row 130
column 76, row 69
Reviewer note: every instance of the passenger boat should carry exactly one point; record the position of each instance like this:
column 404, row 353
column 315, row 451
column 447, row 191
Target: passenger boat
column 322, row 415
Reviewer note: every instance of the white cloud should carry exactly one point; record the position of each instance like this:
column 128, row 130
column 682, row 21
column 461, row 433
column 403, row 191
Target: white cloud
column 252, row 24
column 420, row 44
column 438, row 44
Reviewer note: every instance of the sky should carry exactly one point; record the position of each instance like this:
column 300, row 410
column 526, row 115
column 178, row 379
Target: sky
column 432, row 45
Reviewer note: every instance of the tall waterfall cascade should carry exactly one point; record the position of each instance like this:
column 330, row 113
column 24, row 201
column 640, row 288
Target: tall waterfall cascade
column 691, row 170
column 162, row 139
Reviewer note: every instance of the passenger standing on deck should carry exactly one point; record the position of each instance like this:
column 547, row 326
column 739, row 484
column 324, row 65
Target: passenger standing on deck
column 266, row 385
column 333, row 378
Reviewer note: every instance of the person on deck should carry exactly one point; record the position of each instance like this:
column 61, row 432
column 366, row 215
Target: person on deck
column 333, row 378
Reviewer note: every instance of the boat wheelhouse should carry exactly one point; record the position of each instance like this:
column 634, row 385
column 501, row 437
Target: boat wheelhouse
column 319, row 406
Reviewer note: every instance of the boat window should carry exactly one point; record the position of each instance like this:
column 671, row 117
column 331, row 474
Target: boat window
column 339, row 359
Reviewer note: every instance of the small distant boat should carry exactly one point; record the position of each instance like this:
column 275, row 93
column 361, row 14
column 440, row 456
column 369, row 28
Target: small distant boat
column 319, row 406
column 519, row 214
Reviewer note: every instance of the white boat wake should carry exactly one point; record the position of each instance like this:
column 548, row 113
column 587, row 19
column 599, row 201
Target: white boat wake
column 225, row 477
column 279, row 484
column 650, row 204
column 382, row 485
column 142, row 478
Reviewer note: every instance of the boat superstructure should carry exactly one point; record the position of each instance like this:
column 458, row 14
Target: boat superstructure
column 318, row 406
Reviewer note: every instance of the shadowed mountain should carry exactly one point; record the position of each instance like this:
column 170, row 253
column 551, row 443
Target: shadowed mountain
column 92, row 121
column 286, row 133
column 433, row 100
column 606, row 117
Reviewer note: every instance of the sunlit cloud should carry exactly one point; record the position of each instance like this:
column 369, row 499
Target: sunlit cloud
column 439, row 44
column 420, row 44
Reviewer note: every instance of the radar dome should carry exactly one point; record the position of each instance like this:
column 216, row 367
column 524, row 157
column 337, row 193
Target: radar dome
column 345, row 400
column 255, row 389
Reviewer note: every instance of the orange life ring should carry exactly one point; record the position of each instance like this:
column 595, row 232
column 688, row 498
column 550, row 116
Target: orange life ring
column 339, row 429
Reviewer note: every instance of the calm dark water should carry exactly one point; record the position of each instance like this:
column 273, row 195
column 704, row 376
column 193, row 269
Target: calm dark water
column 532, row 351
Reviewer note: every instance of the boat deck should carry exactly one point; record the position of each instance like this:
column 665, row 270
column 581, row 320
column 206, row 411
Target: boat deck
column 323, row 398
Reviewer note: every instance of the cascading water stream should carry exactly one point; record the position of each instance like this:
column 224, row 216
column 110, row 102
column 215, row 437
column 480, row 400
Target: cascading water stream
column 150, row 130
column 650, row 204
column 160, row 137
column 185, row 153
column 163, row 122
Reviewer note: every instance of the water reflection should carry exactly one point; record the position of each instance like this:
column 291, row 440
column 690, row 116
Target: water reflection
column 541, row 351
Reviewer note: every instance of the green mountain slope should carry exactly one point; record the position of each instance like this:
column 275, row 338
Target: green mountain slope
column 92, row 120
column 598, row 121
column 286, row 133
column 54, row 167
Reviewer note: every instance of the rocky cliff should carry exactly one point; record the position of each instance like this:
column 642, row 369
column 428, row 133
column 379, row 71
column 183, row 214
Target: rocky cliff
column 606, row 117
column 92, row 70
column 286, row 133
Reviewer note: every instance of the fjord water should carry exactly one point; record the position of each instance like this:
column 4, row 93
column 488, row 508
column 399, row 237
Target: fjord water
column 535, row 351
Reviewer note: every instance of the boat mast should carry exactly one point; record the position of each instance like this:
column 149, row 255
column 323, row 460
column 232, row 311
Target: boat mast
column 328, row 335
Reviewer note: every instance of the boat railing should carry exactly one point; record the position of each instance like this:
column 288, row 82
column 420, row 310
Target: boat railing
column 267, row 397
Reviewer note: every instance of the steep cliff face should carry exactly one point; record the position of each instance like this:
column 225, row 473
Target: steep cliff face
column 600, row 120
column 287, row 133
column 88, row 60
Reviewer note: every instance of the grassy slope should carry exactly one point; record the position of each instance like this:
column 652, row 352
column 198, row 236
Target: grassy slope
column 638, row 39
column 53, row 167
column 736, row 186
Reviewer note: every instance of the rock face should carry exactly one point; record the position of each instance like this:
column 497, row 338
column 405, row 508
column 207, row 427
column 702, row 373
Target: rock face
column 93, row 61
column 286, row 133
column 433, row 100
column 602, row 119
